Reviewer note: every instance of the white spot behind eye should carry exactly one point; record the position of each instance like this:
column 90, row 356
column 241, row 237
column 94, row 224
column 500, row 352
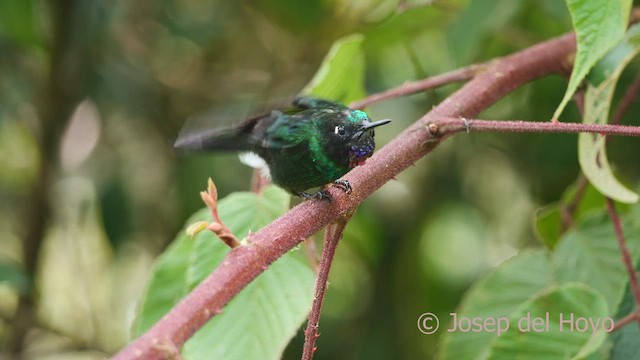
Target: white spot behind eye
column 339, row 130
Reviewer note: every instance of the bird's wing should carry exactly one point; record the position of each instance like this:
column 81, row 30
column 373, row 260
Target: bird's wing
column 286, row 133
column 243, row 136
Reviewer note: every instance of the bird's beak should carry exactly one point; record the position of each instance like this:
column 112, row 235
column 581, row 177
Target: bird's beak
column 370, row 125
column 374, row 124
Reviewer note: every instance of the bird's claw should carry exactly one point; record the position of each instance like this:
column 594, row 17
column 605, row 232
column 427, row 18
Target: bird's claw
column 344, row 185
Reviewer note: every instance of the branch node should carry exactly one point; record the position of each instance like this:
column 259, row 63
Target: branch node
column 433, row 129
column 467, row 125
column 168, row 348
column 629, row 318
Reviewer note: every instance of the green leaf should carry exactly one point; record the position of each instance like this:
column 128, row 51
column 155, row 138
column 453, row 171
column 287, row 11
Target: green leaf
column 590, row 254
column 341, row 75
column 380, row 11
column 394, row 30
column 168, row 284
column 262, row 319
column 11, row 273
column 625, row 340
column 17, row 22
column 618, row 58
column 498, row 295
column 549, row 223
column 592, row 147
column 547, row 327
column 587, row 254
column 599, row 26
column 479, row 19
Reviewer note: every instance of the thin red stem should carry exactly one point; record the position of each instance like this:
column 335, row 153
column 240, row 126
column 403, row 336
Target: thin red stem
column 623, row 106
column 413, row 87
column 626, row 255
column 631, row 317
column 332, row 238
column 627, row 99
column 452, row 125
column 569, row 210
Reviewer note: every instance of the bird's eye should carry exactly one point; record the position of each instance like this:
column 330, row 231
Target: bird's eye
column 339, row 130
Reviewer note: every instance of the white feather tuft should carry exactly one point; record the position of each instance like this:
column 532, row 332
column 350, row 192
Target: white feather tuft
column 255, row 161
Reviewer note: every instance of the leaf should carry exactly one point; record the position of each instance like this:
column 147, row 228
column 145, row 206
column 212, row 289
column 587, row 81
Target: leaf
column 167, row 284
column 625, row 340
column 548, row 220
column 18, row 22
column 557, row 333
column 548, row 225
column 498, row 295
column 617, row 58
column 590, row 254
column 262, row 319
column 341, row 75
column 20, row 158
column 399, row 28
column 76, row 258
column 586, row 257
column 12, row 274
column 591, row 147
column 479, row 19
column 380, row 11
column 599, row 26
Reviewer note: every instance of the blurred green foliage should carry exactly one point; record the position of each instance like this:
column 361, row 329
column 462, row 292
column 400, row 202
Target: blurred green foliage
column 109, row 84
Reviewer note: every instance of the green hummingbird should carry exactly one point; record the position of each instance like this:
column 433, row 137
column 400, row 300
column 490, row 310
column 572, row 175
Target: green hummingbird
column 308, row 145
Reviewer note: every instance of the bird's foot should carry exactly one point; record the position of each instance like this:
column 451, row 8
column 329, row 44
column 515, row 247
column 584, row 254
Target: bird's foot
column 344, row 185
column 319, row 195
column 322, row 194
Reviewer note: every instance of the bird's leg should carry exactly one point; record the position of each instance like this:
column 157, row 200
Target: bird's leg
column 344, row 185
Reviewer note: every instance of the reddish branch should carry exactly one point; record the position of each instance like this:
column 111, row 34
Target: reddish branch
column 631, row 317
column 568, row 211
column 627, row 99
column 449, row 125
column 245, row 263
column 413, row 87
column 626, row 255
column 332, row 237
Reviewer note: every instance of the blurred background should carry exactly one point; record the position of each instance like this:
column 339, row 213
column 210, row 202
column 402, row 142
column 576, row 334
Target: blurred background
column 93, row 94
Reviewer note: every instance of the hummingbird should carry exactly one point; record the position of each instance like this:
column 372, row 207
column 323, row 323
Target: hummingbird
column 308, row 145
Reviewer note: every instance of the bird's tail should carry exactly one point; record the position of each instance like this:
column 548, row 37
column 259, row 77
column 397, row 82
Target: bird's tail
column 227, row 139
